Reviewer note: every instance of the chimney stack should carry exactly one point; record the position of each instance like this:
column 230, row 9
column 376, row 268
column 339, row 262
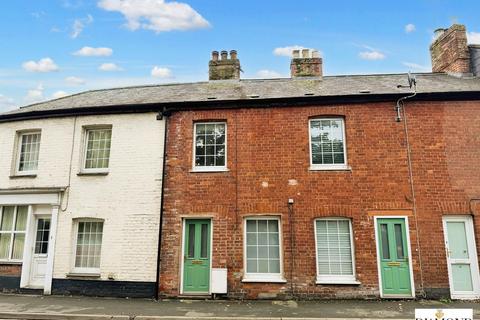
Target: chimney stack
column 449, row 50
column 308, row 65
column 224, row 68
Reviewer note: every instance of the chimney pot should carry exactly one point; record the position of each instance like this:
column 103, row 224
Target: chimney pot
column 224, row 55
column 225, row 68
column 309, row 65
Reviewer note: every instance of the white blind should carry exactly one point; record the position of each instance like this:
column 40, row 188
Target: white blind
column 334, row 247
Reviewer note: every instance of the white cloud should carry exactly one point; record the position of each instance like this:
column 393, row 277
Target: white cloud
column 156, row 15
column 473, row 37
column 43, row 65
column 410, row 28
column 416, row 67
column 79, row 25
column 59, row 94
column 265, row 74
column 6, row 103
column 159, row 72
column 35, row 95
column 74, row 81
column 286, row 51
column 371, row 55
column 94, row 52
column 109, row 67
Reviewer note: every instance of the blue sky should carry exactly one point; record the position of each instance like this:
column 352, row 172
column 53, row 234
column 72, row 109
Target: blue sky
column 55, row 47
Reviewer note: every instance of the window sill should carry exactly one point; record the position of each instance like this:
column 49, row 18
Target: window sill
column 265, row 280
column 14, row 263
column 208, row 170
column 93, row 173
column 351, row 282
column 330, row 168
column 20, row 176
column 83, row 275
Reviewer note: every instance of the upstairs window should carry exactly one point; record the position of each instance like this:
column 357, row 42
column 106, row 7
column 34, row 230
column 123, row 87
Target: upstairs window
column 28, row 152
column 13, row 223
column 327, row 144
column 210, row 149
column 97, row 149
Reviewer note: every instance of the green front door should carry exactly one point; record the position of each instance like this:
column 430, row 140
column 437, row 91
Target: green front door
column 393, row 249
column 196, row 268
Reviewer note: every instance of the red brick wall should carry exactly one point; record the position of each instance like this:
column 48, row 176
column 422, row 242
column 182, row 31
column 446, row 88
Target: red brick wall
column 272, row 145
column 10, row 270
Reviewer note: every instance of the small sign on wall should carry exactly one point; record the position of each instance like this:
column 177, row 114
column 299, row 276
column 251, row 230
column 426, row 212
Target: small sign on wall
column 443, row 314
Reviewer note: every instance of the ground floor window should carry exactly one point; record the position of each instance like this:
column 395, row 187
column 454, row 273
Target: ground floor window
column 88, row 245
column 263, row 249
column 334, row 246
column 13, row 224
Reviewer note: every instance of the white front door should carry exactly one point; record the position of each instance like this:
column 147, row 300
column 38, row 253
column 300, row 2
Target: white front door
column 40, row 252
column 462, row 259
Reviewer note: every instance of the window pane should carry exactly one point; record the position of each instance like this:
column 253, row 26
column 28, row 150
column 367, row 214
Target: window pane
column 98, row 148
column 43, row 233
column 399, row 241
column 334, row 245
column 210, row 147
column 29, row 150
column 89, row 242
column 191, row 240
column 5, row 245
column 7, row 218
column 204, row 241
column 18, row 242
column 385, row 244
column 21, row 223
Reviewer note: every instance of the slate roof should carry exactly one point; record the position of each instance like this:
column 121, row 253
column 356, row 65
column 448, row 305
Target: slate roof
column 245, row 89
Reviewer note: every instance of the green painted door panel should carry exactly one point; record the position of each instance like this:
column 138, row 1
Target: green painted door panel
column 394, row 265
column 196, row 268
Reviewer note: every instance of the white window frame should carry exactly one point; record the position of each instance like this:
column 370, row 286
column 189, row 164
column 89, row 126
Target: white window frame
column 93, row 271
column 13, row 232
column 86, row 130
column 313, row 166
column 18, row 152
column 263, row 277
column 196, row 168
column 335, row 279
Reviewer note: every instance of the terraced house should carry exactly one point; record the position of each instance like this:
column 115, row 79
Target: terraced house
column 312, row 186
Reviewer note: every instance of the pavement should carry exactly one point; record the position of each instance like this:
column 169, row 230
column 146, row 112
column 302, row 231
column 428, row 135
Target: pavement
column 86, row 308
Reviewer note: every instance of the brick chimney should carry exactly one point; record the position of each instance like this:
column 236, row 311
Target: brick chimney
column 224, row 68
column 309, row 64
column 449, row 50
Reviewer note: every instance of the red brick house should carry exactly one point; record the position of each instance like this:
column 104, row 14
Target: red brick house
column 325, row 186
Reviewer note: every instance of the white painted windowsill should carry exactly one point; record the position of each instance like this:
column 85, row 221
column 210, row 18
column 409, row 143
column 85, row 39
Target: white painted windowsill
column 329, row 168
column 265, row 280
column 339, row 281
column 209, row 169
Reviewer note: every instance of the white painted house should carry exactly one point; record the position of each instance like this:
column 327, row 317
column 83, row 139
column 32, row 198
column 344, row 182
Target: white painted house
column 80, row 199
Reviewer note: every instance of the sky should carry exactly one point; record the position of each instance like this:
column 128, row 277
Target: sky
column 53, row 48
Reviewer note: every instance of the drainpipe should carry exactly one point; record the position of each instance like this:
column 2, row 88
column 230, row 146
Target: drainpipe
column 163, row 115
column 400, row 108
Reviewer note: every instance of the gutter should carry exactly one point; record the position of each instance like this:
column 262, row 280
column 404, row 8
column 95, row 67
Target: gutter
column 238, row 103
column 161, row 116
